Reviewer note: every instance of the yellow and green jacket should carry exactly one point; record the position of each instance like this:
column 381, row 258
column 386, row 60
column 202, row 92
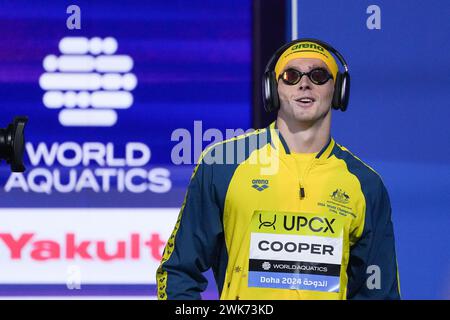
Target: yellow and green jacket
column 277, row 225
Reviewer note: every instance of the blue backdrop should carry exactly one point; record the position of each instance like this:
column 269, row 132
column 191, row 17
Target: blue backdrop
column 397, row 120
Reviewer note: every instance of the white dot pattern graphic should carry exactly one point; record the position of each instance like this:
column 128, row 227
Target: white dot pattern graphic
column 88, row 81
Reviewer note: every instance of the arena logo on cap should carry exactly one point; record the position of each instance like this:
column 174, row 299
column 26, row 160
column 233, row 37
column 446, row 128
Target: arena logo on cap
column 88, row 82
column 307, row 45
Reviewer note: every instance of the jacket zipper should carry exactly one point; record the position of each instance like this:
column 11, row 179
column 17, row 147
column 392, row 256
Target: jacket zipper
column 302, row 191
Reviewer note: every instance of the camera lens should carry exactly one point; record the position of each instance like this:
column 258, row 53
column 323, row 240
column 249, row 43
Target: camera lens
column 12, row 143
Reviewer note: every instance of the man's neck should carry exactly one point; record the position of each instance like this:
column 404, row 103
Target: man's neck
column 304, row 137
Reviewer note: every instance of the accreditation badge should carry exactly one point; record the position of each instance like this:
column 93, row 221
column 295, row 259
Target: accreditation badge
column 301, row 251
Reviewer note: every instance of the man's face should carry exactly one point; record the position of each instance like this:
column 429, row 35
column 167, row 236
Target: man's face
column 290, row 95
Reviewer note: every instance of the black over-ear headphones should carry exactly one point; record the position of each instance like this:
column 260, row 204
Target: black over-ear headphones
column 270, row 83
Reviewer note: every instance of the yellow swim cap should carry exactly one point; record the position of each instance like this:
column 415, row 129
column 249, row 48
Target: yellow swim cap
column 306, row 49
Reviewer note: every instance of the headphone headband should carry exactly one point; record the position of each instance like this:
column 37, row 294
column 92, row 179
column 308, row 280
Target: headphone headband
column 273, row 60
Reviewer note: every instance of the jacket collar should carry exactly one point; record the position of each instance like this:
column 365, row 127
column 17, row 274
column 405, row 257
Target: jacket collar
column 277, row 141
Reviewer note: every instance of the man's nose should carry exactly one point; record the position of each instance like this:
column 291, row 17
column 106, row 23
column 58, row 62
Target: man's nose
column 304, row 83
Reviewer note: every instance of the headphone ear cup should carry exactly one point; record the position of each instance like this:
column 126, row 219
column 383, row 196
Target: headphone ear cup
column 337, row 95
column 345, row 89
column 270, row 92
column 266, row 92
column 274, row 90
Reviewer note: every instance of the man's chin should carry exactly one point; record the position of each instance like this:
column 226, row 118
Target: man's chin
column 305, row 116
